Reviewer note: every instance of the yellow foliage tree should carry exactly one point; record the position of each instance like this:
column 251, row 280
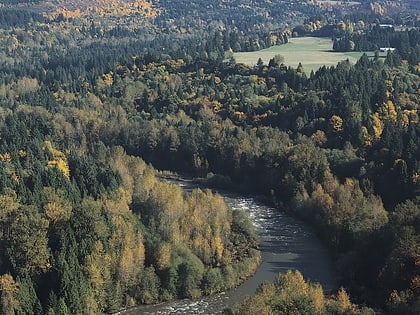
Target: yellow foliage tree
column 5, row 157
column 291, row 294
column 218, row 246
column 127, row 248
column 8, row 295
column 168, row 199
column 206, row 224
column 318, row 298
column 59, row 159
column 392, row 113
column 378, row 125
column 253, row 306
column 323, row 199
column 344, row 304
column 57, row 208
column 98, row 266
column 292, row 282
column 319, row 137
column 345, row 205
column 366, row 137
column 8, row 204
column 108, row 78
column 164, row 256
column 336, row 123
column 119, row 203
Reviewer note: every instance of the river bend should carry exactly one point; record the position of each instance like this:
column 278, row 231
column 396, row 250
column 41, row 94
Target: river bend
column 285, row 243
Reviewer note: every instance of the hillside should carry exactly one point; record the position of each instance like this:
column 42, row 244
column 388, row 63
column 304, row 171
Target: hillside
column 93, row 93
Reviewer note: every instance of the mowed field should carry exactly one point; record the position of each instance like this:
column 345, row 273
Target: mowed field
column 312, row 52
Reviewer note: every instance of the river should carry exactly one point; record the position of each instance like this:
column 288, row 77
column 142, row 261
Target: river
column 286, row 243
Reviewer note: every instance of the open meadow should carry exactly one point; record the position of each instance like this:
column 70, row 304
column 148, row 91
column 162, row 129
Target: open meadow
column 312, row 52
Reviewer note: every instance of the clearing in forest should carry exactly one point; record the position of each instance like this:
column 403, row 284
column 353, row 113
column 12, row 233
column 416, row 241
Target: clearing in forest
column 312, row 52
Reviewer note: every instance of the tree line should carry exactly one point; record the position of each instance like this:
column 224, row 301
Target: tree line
column 406, row 42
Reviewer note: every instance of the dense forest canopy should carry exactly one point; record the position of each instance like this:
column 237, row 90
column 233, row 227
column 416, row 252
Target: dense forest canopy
column 92, row 94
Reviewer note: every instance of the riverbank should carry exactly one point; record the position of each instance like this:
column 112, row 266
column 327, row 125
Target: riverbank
column 286, row 243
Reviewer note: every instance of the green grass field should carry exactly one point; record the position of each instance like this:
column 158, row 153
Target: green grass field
column 312, row 52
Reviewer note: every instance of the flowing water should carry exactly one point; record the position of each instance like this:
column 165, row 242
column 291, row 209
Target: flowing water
column 285, row 243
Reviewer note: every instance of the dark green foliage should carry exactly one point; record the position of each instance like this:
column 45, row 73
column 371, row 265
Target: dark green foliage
column 190, row 275
column 10, row 17
column 213, row 281
column 405, row 42
column 28, row 298
column 26, row 241
column 73, row 287
column 336, row 147
column 149, row 287
column 92, row 179
column 242, row 234
column 401, row 269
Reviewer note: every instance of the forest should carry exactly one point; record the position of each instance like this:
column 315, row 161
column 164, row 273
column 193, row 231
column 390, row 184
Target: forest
column 95, row 101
